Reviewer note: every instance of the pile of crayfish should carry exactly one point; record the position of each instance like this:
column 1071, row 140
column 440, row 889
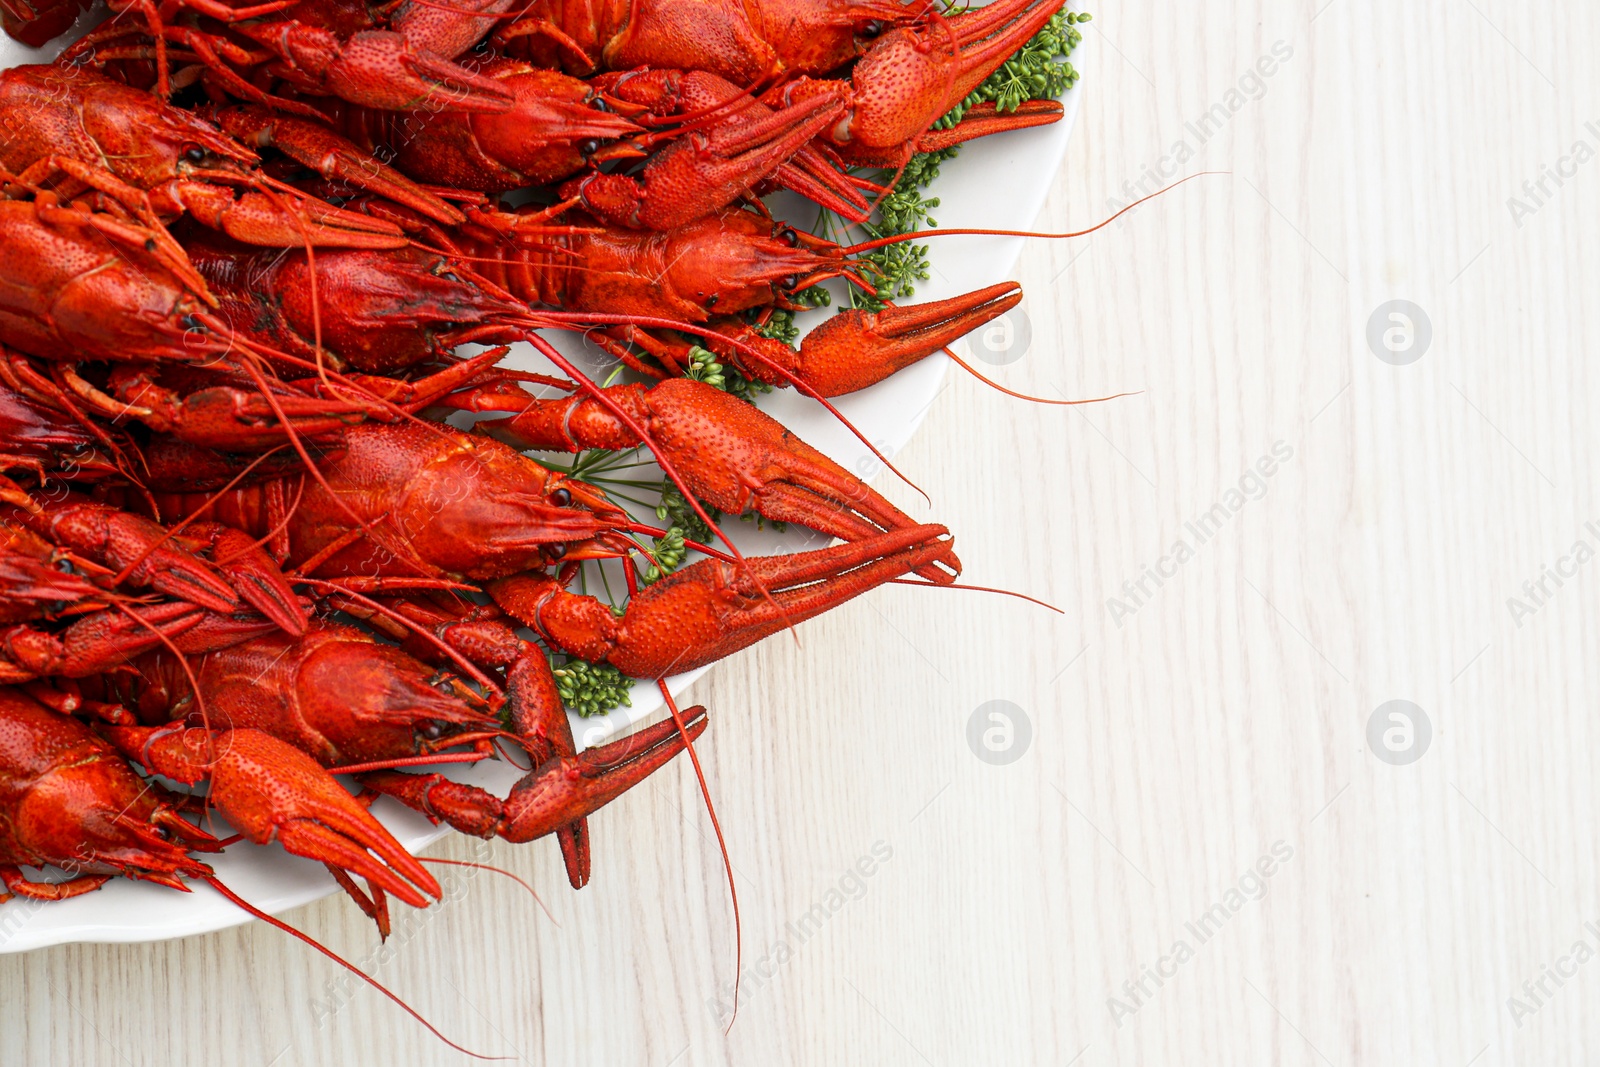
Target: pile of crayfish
column 247, row 545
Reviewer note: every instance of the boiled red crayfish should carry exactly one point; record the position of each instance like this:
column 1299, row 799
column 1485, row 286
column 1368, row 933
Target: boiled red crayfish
column 72, row 802
column 385, row 310
column 558, row 126
column 76, row 131
column 913, row 75
column 916, row 66
column 394, row 56
column 430, row 502
column 745, row 41
column 229, row 334
column 349, row 702
column 79, row 286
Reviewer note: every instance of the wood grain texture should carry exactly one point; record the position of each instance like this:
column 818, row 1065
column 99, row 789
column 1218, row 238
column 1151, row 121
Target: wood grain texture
column 1172, row 746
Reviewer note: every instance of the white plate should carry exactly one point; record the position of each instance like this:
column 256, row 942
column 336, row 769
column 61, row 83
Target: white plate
column 999, row 182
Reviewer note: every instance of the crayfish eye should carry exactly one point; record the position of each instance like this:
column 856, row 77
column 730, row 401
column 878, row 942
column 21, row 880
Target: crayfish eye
column 872, row 29
column 790, row 281
column 431, row 731
column 589, row 147
column 162, row 832
column 789, row 237
column 191, row 322
column 561, row 497
column 195, row 154
column 555, row 551
column 599, row 103
column 450, row 276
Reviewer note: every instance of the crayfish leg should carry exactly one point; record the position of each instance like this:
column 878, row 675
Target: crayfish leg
column 374, row 907
column 18, row 884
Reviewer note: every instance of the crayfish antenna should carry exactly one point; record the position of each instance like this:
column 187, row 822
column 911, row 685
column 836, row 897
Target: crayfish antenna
column 917, row 235
column 249, row 908
column 722, row 844
column 978, row 589
column 496, row 870
column 188, row 673
column 991, row 383
column 454, row 655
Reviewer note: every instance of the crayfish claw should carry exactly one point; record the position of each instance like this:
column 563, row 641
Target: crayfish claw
column 573, row 839
column 700, row 173
column 314, row 840
column 336, row 158
column 374, row 907
column 984, row 119
column 376, row 68
column 714, row 608
column 765, row 467
column 103, row 640
column 136, row 546
column 856, row 348
column 259, row 580
column 569, row 788
column 270, row 790
column 285, row 220
column 235, row 420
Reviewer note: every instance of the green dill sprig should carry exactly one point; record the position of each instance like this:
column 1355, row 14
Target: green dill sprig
column 674, row 510
column 906, row 210
column 667, row 555
column 896, row 270
column 589, row 689
column 781, row 327
column 762, row 522
column 705, row 367
column 746, row 389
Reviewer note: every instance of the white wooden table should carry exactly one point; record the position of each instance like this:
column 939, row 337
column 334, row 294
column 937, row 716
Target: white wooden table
column 1040, row 910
